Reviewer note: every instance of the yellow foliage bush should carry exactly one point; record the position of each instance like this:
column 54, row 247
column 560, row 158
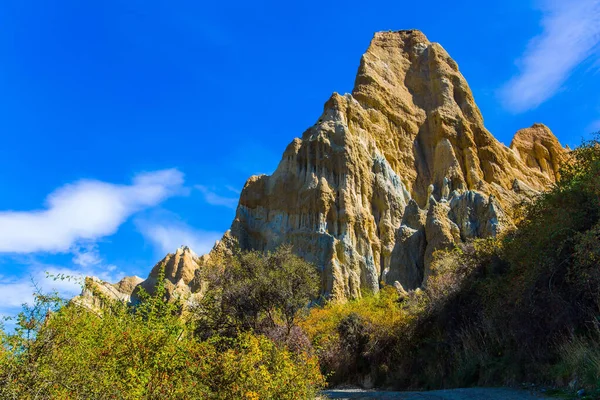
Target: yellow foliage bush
column 373, row 324
column 146, row 353
column 382, row 311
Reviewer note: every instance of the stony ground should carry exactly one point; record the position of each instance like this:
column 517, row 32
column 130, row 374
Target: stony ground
column 451, row 394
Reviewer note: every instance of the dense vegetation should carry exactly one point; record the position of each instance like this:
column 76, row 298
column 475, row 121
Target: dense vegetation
column 521, row 308
column 67, row 351
column 524, row 307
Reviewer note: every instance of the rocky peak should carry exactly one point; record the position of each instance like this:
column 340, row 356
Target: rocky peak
column 180, row 270
column 401, row 167
column 539, row 149
column 180, row 273
column 397, row 169
column 96, row 291
column 426, row 121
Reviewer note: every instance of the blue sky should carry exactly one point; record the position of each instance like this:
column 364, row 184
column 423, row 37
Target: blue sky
column 129, row 127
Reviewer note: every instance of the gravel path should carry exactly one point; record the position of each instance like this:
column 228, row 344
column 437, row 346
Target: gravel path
column 451, row 394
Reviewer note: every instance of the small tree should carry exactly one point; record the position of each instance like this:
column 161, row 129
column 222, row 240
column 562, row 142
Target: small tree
column 255, row 289
column 293, row 284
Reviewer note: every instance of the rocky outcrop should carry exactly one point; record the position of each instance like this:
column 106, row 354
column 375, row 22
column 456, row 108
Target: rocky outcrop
column 181, row 278
column 539, row 149
column 397, row 169
column 180, row 274
column 97, row 292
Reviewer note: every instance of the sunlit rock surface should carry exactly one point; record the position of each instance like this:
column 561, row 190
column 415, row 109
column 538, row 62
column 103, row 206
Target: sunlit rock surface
column 390, row 173
column 397, row 169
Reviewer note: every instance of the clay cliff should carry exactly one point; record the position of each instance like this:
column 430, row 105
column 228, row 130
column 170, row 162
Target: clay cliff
column 390, row 173
column 397, row 169
column 96, row 292
column 180, row 274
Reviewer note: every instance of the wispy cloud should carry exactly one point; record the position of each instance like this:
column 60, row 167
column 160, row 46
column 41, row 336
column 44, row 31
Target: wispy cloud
column 167, row 237
column 215, row 199
column 571, row 35
column 233, row 189
column 84, row 211
column 86, row 255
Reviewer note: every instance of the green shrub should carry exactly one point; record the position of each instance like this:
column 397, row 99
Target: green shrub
column 355, row 339
column 145, row 352
column 523, row 307
column 256, row 291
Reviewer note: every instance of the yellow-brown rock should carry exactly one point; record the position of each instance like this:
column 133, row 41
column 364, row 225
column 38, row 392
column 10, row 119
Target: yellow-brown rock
column 409, row 132
column 399, row 168
column 539, row 149
column 180, row 274
column 128, row 284
column 182, row 282
column 96, row 292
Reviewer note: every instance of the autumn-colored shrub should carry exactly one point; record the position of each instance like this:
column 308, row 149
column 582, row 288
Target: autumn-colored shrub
column 253, row 367
column 147, row 352
column 354, row 340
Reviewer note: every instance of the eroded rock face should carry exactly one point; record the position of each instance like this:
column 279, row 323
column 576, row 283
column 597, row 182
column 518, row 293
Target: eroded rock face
column 180, row 275
column 401, row 167
column 539, row 149
column 96, row 291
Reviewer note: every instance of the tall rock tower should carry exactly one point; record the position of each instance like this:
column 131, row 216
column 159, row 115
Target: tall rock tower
column 397, row 169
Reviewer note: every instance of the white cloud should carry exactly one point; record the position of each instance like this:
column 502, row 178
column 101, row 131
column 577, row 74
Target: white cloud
column 233, row 189
column 86, row 255
column 15, row 293
column 571, row 34
column 85, row 210
column 211, row 197
column 169, row 236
